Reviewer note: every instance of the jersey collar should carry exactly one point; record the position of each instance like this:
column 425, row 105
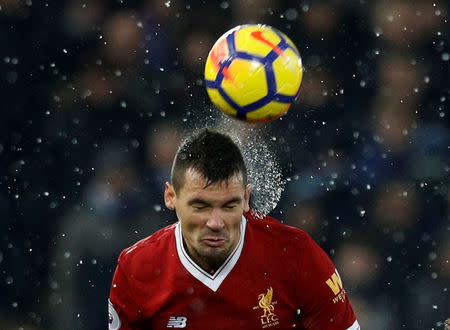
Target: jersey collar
column 215, row 280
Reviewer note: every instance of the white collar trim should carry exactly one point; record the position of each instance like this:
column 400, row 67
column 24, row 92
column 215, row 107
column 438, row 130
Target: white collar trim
column 215, row 280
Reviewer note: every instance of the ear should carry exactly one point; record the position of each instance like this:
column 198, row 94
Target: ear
column 169, row 196
column 247, row 198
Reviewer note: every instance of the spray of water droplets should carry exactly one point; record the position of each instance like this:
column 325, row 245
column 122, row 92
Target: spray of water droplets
column 263, row 169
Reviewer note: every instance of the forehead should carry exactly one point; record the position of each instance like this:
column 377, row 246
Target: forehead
column 194, row 182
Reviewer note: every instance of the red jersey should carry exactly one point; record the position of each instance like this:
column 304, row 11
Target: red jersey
column 276, row 277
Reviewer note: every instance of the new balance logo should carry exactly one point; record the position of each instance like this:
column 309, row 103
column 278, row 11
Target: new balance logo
column 177, row 322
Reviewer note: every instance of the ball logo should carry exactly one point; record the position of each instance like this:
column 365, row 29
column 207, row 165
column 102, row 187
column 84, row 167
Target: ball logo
column 113, row 318
column 258, row 35
column 219, row 53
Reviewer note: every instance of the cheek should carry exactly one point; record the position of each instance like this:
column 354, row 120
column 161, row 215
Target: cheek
column 235, row 223
column 190, row 233
column 191, row 224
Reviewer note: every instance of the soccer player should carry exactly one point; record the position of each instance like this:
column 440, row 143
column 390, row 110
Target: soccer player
column 221, row 266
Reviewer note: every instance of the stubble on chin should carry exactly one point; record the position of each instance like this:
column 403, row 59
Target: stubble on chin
column 214, row 258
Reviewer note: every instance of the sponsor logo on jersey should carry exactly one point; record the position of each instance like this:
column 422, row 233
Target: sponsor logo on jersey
column 177, row 322
column 266, row 303
column 113, row 318
column 335, row 284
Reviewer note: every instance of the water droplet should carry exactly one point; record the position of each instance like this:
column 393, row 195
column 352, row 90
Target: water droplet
column 54, row 285
column 378, row 31
column 135, row 143
column 291, row 14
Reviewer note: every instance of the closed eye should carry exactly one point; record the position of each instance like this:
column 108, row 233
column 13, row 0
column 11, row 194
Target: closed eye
column 231, row 204
column 199, row 207
column 198, row 204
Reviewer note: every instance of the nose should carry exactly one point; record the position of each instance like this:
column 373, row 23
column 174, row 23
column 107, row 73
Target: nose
column 215, row 221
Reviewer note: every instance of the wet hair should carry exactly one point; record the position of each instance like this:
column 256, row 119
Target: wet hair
column 214, row 155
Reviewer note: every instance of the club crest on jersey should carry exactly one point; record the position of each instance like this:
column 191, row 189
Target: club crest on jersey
column 266, row 303
column 177, row 322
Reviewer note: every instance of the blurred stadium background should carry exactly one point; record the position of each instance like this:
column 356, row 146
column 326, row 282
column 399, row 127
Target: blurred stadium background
column 97, row 93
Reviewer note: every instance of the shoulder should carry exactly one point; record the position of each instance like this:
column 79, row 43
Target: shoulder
column 149, row 249
column 284, row 243
column 272, row 228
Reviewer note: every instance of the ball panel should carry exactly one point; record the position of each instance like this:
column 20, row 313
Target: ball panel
column 256, row 39
column 268, row 112
column 218, row 100
column 218, row 54
column 290, row 43
column 248, row 83
column 288, row 72
column 210, row 70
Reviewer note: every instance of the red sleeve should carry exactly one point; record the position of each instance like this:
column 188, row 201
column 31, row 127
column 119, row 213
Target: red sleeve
column 325, row 304
column 122, row 307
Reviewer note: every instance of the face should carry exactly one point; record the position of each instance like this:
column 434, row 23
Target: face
column 210, row 217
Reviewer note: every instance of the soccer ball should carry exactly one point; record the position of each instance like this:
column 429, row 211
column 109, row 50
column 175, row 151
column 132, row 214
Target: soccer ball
column 253, row 73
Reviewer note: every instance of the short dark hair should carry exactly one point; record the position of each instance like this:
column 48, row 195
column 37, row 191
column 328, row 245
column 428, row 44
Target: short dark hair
column 214, row 155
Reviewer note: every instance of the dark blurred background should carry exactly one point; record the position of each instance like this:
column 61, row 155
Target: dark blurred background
column 96, row 94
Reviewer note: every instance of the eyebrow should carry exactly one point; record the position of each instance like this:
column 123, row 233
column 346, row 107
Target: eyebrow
column 202, row 201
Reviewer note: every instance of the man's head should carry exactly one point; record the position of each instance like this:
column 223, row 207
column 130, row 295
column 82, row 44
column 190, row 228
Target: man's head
column 209, row 192
column 212, row 154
